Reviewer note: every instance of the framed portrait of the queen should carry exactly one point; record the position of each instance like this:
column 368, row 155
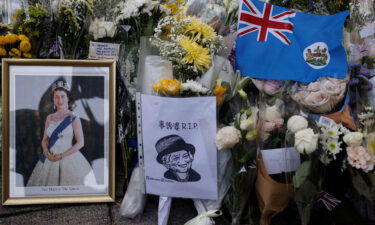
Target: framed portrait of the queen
column 58, row 131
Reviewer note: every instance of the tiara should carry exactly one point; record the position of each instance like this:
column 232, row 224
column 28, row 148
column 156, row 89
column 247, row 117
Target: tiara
column 61, row 84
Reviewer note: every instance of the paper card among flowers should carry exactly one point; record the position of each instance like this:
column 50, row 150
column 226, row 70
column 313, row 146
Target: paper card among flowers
column 281, row 160
column 179, row 151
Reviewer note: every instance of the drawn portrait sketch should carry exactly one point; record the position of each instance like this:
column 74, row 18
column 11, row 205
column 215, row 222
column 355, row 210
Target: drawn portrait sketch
column 179, row 151
column 177, row 156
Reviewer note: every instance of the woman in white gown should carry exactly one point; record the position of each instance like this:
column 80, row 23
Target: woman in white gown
column 62, row 164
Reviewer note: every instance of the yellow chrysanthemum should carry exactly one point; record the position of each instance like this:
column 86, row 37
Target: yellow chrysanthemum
column 195, row 54
column 25, row 46
column 14, row 52
column 11, row 38
column 219, row 92
column 166, row 30
column 176, row 7
column 167, row 86
column 2, row 40
column 199, row 30
column 3, row 52
column 27, row 55
column 23, row 37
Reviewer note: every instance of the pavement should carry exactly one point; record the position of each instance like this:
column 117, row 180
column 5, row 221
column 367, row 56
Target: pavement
column 182, row 210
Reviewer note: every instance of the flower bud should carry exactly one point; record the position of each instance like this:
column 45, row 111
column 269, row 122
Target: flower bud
column 251, row 135
column 243, row 94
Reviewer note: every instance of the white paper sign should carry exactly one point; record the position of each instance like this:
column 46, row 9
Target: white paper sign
column 179, row 148
column 99, row 50
column 281, row 160
column 326, row 122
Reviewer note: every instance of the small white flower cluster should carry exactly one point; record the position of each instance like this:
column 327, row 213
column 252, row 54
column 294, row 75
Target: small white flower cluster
column 248, row 123
column 134, row 8
column 194, row 86
column 330, row 140
column 367, row 118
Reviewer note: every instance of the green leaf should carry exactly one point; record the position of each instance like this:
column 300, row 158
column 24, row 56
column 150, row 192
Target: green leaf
column 306, row 193
column 302, row 174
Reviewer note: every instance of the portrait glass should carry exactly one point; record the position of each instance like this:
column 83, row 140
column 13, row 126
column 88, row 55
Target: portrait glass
column 58, row 136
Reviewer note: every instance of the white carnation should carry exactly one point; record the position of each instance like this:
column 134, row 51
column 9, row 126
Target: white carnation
column 305, row 141
column 297, row 123
column 227, row 137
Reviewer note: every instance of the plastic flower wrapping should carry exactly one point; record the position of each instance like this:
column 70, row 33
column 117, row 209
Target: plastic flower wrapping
column 179, row 49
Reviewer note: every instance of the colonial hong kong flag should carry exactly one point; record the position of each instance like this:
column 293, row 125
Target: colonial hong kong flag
column 276, row 43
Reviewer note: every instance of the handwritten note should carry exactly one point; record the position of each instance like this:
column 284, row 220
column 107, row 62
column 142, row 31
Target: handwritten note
column 281, row 160
column 99, row 50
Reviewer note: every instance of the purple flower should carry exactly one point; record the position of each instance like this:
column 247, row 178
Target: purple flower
column 353, row 81
column 310, row 5
column 368, row 86
column 364, row 71
column 355, row 64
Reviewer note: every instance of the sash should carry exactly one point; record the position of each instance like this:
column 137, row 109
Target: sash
column 55, row 134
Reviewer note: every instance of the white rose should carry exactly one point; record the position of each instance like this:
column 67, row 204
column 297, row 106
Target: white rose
column 353, row 139
column 272, row 113
column 227, row 137
column 318, row 102
column 305, row 141
column 331, row 88
column 296, row 123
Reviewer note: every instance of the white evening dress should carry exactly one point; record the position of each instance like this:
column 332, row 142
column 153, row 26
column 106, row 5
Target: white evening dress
column 71, row 170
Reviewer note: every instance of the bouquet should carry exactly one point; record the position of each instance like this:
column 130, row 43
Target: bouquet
column 240, row 137
column 188, row 43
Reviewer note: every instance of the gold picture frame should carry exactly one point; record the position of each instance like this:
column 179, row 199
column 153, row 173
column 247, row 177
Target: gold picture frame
column 34, row 116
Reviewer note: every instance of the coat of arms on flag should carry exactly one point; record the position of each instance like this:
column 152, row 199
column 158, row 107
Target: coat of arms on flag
column 277, row 43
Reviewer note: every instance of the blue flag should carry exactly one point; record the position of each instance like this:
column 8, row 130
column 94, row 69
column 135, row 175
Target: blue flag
column 276, row 43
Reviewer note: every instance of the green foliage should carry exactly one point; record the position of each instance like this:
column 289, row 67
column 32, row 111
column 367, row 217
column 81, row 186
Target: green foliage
column 358, row 19
column 319, row 6
column 73, row 17
column 32, row 25
column 302, row 174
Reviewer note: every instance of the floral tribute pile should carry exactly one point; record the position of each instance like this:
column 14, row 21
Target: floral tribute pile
column 328, row 124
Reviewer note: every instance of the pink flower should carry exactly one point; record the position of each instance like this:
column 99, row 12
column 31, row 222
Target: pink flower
column 313, row 87
column 270, row 87
column 320, row 96
column 359, row 158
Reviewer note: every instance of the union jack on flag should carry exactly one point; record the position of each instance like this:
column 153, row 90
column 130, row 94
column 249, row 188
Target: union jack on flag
column 328, row 200
column 277, row 43
column 265, row 22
